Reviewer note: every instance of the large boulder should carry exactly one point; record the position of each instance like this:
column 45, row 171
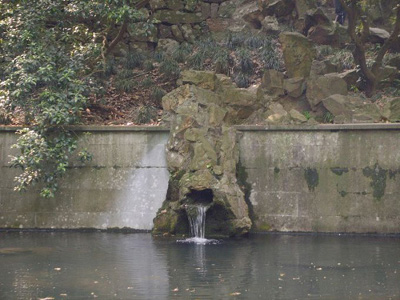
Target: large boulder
column 272, row 83
column 323, row 67
column 203, row 79
column 378, row 35
column 351, row 77
column 294, row 87
column 168, row 46
column 298, row 54
column 321, row 87
column 350, row 109
column 297, row 116
column 270, row 25
column 392, row 110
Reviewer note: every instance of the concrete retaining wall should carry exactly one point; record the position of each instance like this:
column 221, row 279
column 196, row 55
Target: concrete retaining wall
column 322, row 179
column 332, row 178
column 123, row 186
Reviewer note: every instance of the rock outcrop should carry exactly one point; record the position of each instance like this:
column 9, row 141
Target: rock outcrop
column 202, row 154
column 298, row 54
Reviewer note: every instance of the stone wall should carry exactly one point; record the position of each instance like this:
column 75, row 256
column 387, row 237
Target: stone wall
column 328, row 178
column 123, row 186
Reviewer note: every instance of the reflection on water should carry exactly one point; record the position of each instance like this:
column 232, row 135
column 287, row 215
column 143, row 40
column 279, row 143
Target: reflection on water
column 137, row 266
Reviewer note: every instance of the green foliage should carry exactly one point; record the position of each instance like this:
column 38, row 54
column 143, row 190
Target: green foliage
column 52, row 51
column 307, row 114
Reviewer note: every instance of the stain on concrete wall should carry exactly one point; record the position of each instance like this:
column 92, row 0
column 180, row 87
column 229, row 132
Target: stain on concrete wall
column 331, row 179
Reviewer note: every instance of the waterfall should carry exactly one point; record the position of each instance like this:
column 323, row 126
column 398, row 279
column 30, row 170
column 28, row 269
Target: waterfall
column 197, row 220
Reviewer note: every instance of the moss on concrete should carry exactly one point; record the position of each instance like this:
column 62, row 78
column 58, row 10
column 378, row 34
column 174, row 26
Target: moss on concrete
column 264, row 227
column 312, row 178
column 339, row 171
column 378, row 180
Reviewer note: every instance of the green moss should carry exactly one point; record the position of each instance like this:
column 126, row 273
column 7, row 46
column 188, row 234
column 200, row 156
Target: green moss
column 339, row 171
column 264, row 227
column 312, row 178
column 378, row 183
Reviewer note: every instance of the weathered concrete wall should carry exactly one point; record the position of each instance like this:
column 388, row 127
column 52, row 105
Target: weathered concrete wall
column 123, row 186
column 339, row 178
column 332, row 178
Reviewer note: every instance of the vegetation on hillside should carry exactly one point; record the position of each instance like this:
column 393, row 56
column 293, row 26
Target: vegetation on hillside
column 59, row 67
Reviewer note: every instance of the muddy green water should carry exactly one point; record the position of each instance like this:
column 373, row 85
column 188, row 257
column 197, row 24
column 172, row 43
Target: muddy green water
column 73, row 265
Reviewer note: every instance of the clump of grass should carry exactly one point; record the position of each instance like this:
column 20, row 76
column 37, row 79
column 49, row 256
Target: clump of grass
column 307, row 114
column 145, row 114
column 323, row 51
column 159, row 56
column 222, row 61
column 235, row 40
column 242, row 80
column 157, row 94
column 182, row 52
column 255, row 41
column 124, row 81
column 134, row 59
column 170, row 68
column 202, row 50
column 343, row 58
column 270, row 56
column 110, row 67
column 147, row 82
column 328, row 117
column 126, row 85
column 244, row 63
column 197, row 60
column 148, row 65
column 124, row 74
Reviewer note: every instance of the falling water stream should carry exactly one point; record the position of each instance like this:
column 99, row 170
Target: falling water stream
column 197, row 221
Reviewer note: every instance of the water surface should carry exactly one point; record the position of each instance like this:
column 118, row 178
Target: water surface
column 71, row 265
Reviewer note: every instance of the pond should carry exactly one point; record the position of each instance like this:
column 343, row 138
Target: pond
column 79, row 265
